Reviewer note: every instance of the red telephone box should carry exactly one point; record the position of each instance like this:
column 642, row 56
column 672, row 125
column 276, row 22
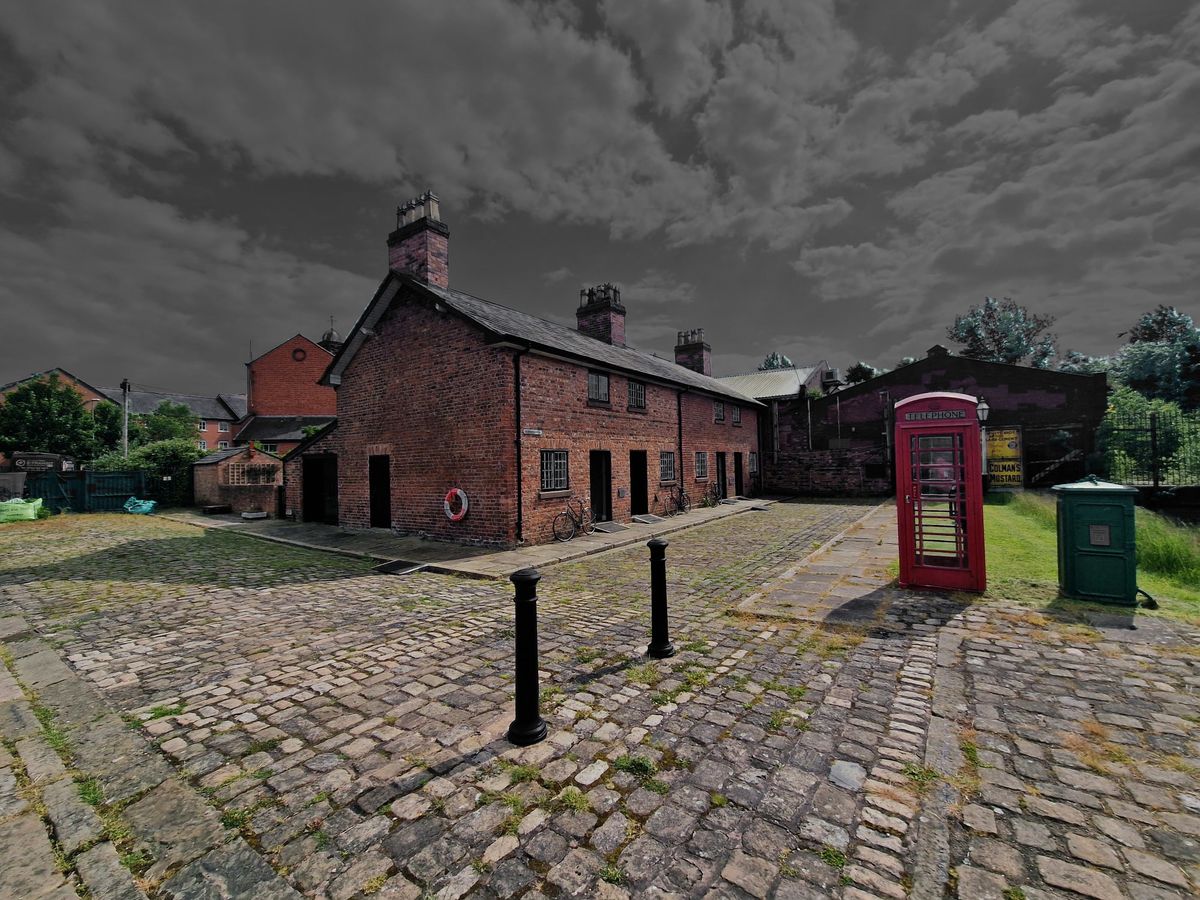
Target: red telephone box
column 939, row 492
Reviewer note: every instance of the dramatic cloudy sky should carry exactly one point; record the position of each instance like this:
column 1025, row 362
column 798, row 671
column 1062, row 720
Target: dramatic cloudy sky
column 830, row 179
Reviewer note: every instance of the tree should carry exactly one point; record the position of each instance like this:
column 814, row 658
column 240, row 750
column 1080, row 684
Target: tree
column 167, row 465
column 1163, row 323
column 169, row 421
column 1081, row 364
column 905, row 361
column 775, row 361
column 860, row 371
column 46, row 416
column 1001, row 331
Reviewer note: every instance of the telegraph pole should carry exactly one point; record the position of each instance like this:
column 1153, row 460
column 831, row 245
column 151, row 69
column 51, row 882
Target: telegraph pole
column 125, row 418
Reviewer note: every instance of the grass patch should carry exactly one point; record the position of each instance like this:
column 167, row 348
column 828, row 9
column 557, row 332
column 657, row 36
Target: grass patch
column 137, row 861
column 521, row 774
column 612, row 874
column 571, row 798
column 832, row 856
column 262, row 746
column 1013, row 893
column 696, row 646
column 921, row 776
column 1022, row 557
column 718, row 800
column 587, row 654
column 161, row 712
column 90, row 792
column 656, row 786
column 639, row 767
column 644, row 673
column 55, row 736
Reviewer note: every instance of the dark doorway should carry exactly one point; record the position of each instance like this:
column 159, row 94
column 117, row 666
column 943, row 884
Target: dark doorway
column 319, row 490
column 601, row 485
column 722, row 478
column 379, row 484
column 738, row 487
column 639, row 490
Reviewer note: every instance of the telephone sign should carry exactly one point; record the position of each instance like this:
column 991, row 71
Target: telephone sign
column 939, row 492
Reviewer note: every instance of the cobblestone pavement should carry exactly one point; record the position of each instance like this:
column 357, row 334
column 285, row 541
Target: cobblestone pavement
column 348, row 729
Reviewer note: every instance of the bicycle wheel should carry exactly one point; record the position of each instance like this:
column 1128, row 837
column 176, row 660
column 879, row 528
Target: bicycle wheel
column 587, row 523
column 564, row 527
column 685, row 502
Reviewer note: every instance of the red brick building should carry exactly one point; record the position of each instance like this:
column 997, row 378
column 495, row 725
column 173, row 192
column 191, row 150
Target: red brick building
column 284, row 396
column 437, row 389
column 91, row 396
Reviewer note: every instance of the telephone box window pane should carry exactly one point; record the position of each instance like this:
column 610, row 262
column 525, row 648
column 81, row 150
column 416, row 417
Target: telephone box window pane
column 939, row 507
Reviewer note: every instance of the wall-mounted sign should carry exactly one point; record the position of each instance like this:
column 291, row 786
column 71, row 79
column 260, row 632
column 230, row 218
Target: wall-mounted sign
column 532, row 432
column 933, row 414
column 1004, row 460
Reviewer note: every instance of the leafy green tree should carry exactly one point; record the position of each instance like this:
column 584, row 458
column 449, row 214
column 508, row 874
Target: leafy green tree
column 1081, row 364
column 1001, row 331
column 1163, row 323
column 46, row 416
column 1162, row 370
column 775, row 361
column 860, row 371
column 167, row 465
column 905, row 361
column 169, row 421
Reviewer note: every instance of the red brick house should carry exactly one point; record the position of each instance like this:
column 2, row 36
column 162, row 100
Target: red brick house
column 284, row 396
column 91, row 396
column 437, row 390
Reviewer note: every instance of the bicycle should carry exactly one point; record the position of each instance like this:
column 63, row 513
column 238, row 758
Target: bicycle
column 680, row 501
column 711, row 496
column 575, row 519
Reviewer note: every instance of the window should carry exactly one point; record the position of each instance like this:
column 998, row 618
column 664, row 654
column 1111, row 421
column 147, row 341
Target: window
column 701, row 465
column 201, row 425
column 637, row 395
column 737, row 415
column 666, row 465
column 222, row 426
column 250, row 473
column 202, row 445
column 597, row 387
column 718, row 411
column 222, row 445
column 753, row 462
column 554, row 470
column 269, row 448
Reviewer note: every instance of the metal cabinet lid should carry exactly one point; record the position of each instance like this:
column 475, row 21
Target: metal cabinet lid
column 1092, row 484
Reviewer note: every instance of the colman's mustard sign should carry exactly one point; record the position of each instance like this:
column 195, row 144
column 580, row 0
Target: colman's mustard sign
column 1004, row 457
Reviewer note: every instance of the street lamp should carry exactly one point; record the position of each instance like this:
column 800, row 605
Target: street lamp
column 981, row 412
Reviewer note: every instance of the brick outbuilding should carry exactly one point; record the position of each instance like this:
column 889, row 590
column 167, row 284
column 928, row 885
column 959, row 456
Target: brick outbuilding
column 437, row 390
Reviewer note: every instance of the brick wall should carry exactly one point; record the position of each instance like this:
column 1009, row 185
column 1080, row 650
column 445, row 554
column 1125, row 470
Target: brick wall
column 428, row 392
column 857, row 471
column 209, row 489
column 280, row 384
column 602, row 322
column 212, row 435
column 422, row 249
column 702, row 433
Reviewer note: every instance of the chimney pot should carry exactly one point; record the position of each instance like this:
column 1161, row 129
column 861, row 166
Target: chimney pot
column 600, row 314
column 692, row 352
column 420, row 245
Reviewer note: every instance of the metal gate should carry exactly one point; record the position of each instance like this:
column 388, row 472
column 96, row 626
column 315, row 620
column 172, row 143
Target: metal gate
column 86, row 491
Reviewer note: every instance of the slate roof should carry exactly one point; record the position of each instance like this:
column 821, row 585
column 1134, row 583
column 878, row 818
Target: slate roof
column 236, row 404
column 772, row 384
column 520, row 327
column 221, row 455
column 280, row 428
column 145, row 402
column 4, row 388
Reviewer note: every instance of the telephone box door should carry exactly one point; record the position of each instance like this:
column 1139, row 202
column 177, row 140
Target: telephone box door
column 939, row 492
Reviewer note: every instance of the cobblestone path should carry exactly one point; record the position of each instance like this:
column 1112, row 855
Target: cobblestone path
column 348, row 728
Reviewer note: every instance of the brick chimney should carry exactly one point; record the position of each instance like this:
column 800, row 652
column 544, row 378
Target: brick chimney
column 692, row 352
column 601, row 315
column 420, row 245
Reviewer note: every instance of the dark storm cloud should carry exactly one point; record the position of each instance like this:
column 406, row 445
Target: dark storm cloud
column 849, row 179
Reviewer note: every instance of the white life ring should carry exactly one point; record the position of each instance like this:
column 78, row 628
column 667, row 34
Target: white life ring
column 451, row 496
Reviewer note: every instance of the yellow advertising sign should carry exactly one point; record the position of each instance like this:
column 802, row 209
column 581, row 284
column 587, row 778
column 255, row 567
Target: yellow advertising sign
column 1004, row 460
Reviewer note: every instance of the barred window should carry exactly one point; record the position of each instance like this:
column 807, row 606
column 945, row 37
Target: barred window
column 701, row 464
column 249, row 473
column 598, row 387
column 666, row 465
column 554, row 470
column 737, row 415
column 753, row 462
column 718, row 411
column 637, row 395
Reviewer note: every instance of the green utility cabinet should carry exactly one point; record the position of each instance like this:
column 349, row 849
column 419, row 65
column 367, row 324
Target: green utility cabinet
column 1097, row 553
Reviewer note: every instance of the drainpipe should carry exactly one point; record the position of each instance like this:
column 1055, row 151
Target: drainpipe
column 679, row 429
column 517, row 441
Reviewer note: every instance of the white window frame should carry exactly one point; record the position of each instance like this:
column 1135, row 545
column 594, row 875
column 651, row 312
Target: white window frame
column 718, row 411
column 223, row 426
column 666, row 466
column 222, row 445
column 269, row 448
column 701, row 465
column 202, row 424
column 556, row 464
column 202, row 445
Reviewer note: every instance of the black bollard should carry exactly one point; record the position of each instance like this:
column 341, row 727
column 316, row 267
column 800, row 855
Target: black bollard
column 660, row 643
column 528, row 727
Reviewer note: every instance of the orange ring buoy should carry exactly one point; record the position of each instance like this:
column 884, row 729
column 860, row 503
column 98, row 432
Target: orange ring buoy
column 452, row 495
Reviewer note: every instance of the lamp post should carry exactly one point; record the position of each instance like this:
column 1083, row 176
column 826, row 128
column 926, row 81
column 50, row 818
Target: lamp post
column 981, row 412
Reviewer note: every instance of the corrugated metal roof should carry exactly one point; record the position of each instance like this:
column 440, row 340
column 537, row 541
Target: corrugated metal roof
column 523, row 327
column 771, row 384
